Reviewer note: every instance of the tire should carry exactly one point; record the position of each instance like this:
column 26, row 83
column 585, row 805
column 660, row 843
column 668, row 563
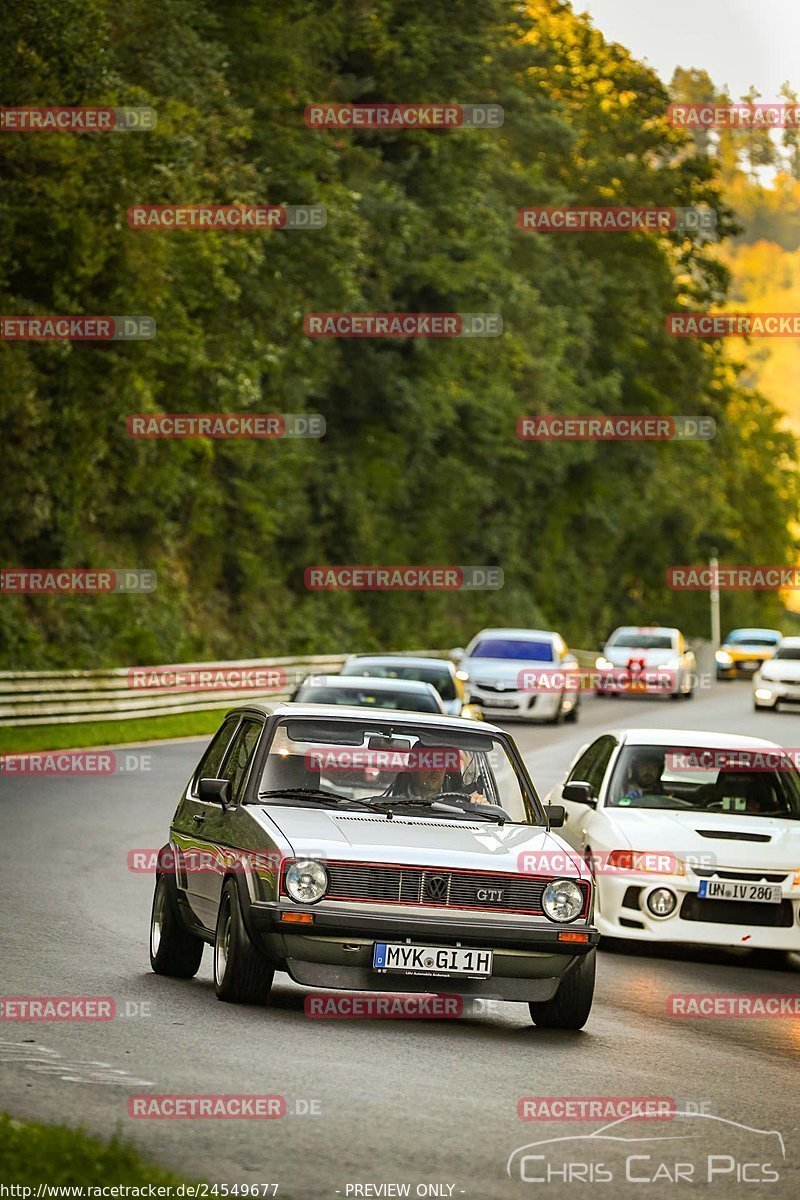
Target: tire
column 558, row 718
column 174, row 950
column 572, row 1003
column 572, row 716
column 689, row 695
column 241, row 975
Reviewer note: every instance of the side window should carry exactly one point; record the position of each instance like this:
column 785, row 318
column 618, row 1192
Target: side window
column 600, row 763
column 238, row 760
column 583, row 767
column 212, row 759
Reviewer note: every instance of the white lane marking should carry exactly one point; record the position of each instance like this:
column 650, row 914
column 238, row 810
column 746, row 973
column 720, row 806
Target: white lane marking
column 35, row 1058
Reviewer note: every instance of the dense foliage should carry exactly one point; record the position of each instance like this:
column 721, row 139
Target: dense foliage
column 421, row 463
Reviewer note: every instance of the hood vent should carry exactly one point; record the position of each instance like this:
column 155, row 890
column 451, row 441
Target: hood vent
column 733, row 835
column 415, row 822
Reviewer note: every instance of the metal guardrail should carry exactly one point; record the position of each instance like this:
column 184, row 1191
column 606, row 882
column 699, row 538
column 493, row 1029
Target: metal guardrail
column 70, row 697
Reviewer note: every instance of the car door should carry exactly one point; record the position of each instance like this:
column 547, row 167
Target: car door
column 218, row 826
column 590, row 768
column 189, row 832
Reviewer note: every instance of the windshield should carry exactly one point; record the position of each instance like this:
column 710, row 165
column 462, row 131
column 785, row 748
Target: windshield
column 394, row 764
column 439, row 677
column 752, row 637
column 787, row 652
column 513, row 648
column 641, row 641
column 368, row 697
column 734, row 783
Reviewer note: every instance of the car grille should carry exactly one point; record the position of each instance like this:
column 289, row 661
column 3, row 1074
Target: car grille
column 752, row 875
column 737, row 912
column 434, row 887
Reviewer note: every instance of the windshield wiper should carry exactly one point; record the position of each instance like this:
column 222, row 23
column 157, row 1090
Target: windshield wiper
column 487, row 812
column 310, row 794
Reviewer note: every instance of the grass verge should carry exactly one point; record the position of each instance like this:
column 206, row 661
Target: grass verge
column 19, row 738
column 31, row 1153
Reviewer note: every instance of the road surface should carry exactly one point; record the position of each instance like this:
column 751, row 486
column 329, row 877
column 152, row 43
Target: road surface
column 427, row 1106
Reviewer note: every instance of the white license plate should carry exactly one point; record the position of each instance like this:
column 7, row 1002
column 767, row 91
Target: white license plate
column 750, row 666
column 499, row 702
column 758, row 893
column 430, row 960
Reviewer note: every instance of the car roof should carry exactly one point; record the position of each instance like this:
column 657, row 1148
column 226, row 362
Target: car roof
column 354, row 712
column 520, row 634
column 666, row 629
column 790, row 641
column 708, row 739
column 398, row 660
column 413, row 687
column 754, row 629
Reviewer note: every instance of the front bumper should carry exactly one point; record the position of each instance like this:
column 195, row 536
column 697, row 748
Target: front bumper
column 336, row 952
column 781, row 693
column 525, row 706
column 622, row 913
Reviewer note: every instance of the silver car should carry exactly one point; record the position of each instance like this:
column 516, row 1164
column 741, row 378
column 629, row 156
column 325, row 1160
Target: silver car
column 442, row 674
column 527, row 674
column 446, row 880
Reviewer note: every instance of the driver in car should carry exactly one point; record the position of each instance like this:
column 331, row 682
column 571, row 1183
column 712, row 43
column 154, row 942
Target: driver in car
column 429, row 783
column 644, row 776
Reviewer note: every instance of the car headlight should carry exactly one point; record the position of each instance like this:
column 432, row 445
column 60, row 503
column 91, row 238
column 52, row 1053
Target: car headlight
column 603, row 664
column 307, row 881
column 673, row 664
column 651, row 862
column 722, row 656
column 763, row 693
column 562, row 900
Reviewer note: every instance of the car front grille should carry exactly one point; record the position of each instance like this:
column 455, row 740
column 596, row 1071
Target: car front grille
column 737, row 912
column 750, row 875
column 435, row 887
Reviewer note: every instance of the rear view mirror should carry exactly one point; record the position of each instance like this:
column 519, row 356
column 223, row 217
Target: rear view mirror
column 215, row 791
column 556, row 815
column 579, row 792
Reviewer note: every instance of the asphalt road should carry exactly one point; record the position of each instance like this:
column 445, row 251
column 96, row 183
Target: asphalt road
column 429, row 1104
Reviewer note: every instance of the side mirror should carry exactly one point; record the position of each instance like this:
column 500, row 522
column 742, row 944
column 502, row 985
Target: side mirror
column 457, row 653
column 579, row 792
column 215, row 791
column 556, row 815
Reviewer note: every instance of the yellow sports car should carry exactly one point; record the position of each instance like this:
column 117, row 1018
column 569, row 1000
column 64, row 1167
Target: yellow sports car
column 744, row 650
